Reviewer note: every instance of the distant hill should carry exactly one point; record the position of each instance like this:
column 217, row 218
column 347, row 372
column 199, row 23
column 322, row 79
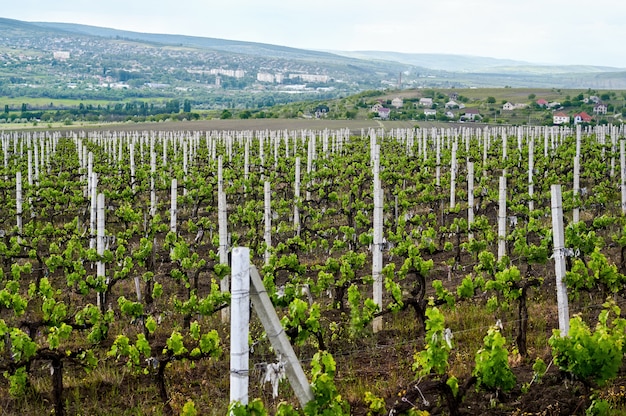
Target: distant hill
column 231, row 46
column 468, row 63
column 73, row 61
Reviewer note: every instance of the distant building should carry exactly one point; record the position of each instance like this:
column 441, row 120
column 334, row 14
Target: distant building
column 397, row 102
column 426, row 102
column 265, row 77
column 61, row 55
column 508, row 106
column 321, row 111
column 376, row 107
column 471, row 114
column 454, row 104
column 560, row 118
column 582, row 118
column 429, row 112
column 600, row 108
column 383, row 113
column 541, row 102
column 310, row 77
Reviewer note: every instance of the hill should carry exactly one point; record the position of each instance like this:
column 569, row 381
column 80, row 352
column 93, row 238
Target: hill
column 53, row 61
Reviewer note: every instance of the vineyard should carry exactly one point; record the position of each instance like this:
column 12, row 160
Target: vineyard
column 414, row 271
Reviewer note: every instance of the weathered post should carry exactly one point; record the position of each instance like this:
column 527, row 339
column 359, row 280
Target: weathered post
column 558, row 237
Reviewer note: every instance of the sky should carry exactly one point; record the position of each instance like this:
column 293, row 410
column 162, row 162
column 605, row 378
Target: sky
column 538, row 31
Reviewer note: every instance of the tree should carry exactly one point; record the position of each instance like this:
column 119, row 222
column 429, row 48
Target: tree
column 491, row 100
column 531, row 96
column 226, row 114
column 187, row 106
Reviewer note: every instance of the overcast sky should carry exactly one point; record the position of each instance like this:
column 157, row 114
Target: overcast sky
column 539, row 31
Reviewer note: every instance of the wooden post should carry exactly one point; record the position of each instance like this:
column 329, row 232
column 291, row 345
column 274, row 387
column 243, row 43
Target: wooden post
column 558, row 237
column 239, row 325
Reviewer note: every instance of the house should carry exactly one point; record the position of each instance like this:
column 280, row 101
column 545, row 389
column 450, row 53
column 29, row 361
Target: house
column 508, row 106
column 453, row 104
column 376, row 107
column 600, row 108
column 582, row 118
column 397, row 102
column 426, row 102
column 560, row 118
column 541, row 102
column 321, row 111
column 450, row 114
column 594, row 99
column 453, row 96
column 383, row 113
column 554, row 104
column 429, row 112
column 471, row 114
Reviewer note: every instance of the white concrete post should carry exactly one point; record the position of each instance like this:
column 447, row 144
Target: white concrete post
column 576, row 210
column 470, row 196
column 173, row 203
column 18, row 201
column 296, row 209
column 502, row 219
column 267, row 221
column 622, row 161
column 278, row 339
column 453, row 176
column 93, row 213
column 222, row 224
column 239, row 326
column 100, row 267
column 558, row 237
column 531, row 168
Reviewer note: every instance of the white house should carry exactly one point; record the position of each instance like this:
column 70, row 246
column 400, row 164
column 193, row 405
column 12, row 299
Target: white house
column 426, row 102
column 560, row 118
column 376, row 107
column 454, row 104
column 429, row 112
column 471, row 114
column 508, row 106
column 600, row 108
column 397, row 102
column 383, row 113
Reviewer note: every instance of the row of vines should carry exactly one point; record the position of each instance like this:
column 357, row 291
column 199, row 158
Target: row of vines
column 146, row 306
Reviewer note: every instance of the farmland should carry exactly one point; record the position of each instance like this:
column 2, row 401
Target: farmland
column 120, row 307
